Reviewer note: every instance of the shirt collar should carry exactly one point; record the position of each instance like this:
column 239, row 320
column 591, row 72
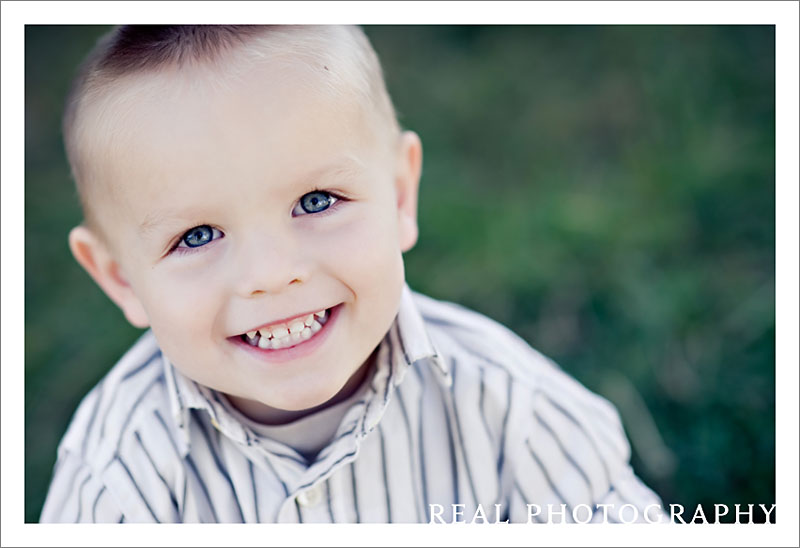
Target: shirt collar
column 406, row 344
column 414, row 339
column 186, row 394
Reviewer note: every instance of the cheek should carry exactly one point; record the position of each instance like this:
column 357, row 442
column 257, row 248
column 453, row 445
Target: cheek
column 364, row 255
column 181, row 304
column 365, row 247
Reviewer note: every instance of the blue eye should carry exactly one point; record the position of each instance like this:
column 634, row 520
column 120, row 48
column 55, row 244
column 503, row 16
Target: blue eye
column 199, row 236
column 314, row 202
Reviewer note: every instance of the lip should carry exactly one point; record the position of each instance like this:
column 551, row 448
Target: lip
column 300, row 350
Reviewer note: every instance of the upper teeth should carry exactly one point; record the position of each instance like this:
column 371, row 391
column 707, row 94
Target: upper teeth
column 277, row 332
column 281, row 335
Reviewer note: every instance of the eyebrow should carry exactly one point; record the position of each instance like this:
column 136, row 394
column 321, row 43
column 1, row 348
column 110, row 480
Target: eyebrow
column 344, row 168
column 158, row 217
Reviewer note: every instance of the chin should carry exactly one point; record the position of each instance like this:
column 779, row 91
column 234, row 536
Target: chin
column 305, row 401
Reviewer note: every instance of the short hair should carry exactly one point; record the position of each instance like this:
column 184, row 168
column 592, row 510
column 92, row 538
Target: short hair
column 344, row 52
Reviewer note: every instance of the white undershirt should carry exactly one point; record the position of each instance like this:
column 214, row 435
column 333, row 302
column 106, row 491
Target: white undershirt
column 307, row 435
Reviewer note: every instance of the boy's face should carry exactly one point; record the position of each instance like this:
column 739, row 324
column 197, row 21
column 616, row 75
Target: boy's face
column 251, row 165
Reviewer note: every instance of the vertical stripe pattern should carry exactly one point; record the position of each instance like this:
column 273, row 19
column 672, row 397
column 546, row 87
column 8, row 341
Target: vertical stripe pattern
column 460, row 415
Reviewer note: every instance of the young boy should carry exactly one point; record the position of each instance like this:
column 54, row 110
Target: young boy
column 248, row 195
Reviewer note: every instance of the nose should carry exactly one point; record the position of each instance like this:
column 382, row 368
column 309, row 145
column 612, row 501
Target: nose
column 270, row 267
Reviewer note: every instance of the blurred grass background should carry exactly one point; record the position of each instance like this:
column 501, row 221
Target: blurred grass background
column 606, row 191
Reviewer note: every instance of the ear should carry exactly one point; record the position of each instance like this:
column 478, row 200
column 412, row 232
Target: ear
column 407, row 183
column 94, row 256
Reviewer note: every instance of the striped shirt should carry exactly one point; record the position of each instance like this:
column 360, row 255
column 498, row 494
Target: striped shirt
column 461, row 419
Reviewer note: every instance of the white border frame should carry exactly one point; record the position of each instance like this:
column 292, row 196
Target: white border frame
column 783, row 14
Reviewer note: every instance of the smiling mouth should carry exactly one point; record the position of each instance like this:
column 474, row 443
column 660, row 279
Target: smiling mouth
column 287, row 334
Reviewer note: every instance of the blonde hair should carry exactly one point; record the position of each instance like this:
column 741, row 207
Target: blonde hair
column 344, row 54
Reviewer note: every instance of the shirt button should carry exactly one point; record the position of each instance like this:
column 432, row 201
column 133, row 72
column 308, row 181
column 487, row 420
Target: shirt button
column 310, row 497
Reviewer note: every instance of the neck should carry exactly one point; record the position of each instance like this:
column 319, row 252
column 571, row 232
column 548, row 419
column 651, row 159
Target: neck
column 274, row 417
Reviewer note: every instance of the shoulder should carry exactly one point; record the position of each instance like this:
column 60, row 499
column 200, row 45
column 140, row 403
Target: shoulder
column 469, row 340
column 522, row 379
column 556, row 439
column 129, row 394
column 117, row 443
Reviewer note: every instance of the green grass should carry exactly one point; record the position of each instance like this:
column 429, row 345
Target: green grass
column 606, row 191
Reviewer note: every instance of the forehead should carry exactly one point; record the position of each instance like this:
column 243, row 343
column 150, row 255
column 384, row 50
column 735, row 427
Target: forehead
column 256, row 121
column 224, row 97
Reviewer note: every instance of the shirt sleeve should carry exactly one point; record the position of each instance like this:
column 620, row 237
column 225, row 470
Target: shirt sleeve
column 570, row 461
column 124, row 489
column 78, row 495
